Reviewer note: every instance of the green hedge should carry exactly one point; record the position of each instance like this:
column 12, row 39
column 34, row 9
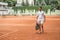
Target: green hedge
column 26, row 7
column 45, row 8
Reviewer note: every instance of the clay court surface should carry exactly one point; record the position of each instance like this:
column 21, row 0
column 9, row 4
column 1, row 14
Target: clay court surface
column 23, row 28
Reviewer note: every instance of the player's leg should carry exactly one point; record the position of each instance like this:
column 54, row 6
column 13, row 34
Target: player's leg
column 40, row 26
column 42, row 29
column 42, row 22
column 37, row 26
column 38, row 21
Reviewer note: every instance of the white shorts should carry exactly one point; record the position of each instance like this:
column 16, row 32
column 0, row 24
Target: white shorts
column 40, row 21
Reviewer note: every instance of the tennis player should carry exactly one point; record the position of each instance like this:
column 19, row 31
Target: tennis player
column 40, row 19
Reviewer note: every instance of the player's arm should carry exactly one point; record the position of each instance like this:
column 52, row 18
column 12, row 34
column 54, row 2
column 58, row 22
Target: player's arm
column 37, row 17
column 44, row 18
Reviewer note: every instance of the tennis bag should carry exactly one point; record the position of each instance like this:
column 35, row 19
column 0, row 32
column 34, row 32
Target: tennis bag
column 37, row 26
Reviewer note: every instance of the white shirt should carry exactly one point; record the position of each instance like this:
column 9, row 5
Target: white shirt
column 40, row 15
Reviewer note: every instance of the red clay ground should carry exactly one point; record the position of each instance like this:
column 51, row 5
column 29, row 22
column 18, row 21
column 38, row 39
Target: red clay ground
column 23, row 28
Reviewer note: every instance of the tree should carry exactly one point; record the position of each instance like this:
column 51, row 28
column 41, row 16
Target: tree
column 10, row 2
column 58, row 6
column 34, row 2
column 2, row 0
column 47, row 2
column 27, row 4
column 23, row 4
column 41, row 2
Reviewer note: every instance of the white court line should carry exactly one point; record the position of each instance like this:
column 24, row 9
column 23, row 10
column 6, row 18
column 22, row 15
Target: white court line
column 2, row 36
column 53, row 19
column 16, row 24
column 16, row 18
column 28, row 19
